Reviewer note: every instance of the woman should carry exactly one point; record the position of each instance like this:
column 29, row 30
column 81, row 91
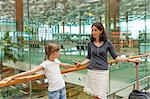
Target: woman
column 98, row 73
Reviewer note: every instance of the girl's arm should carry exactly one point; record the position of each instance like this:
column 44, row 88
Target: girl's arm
column 24, row 73
column 66, row 65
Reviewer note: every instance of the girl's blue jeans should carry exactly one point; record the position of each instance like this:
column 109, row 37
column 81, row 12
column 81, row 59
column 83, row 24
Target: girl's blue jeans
column 59, row 94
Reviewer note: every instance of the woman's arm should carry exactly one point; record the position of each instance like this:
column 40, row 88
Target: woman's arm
column 24, row 73
column 119, row 59
column 85, row 62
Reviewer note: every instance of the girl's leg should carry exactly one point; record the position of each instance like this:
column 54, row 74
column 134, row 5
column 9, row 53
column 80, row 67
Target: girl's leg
column 63, row 93
column 97, row 98
column 53, row 95
column 105, row 97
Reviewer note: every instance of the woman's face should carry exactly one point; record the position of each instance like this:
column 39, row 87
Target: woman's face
column 96, row 32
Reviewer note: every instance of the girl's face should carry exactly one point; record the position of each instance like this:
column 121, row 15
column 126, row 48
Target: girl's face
column 96, row 32
column 56, row 54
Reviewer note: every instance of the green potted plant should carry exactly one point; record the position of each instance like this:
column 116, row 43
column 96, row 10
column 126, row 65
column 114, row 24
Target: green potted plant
column 7, row 53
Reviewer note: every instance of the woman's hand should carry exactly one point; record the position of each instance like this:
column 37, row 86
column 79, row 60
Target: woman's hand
column 133, row 60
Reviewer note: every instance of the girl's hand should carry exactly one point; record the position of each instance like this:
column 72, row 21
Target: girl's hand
column 8, row 79
column 78, row 64
column 73, row 66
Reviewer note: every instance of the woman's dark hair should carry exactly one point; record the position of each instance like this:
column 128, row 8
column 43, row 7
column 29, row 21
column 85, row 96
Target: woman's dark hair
column 50, row 48
column 103, row 36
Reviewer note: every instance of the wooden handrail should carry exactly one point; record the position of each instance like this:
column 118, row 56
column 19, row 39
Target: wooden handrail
column 36, row 76
column 130, row 57
column 39, row 76
column 138, row 56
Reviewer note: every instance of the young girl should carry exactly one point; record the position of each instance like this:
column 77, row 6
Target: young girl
column 50, row 67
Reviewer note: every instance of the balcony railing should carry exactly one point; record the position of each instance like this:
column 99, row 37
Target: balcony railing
column 24, row 79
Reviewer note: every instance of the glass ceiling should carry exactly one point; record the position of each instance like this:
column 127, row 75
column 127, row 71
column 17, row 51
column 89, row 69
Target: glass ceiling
column 71, row 11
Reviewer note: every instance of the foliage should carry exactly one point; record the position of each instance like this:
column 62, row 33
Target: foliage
column 7, row 38
column 9, row 92
column 20, row 38
column 8, row 54
column 8, row 49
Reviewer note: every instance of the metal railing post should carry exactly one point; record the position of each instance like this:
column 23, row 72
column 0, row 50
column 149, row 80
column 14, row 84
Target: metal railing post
column 114, row 96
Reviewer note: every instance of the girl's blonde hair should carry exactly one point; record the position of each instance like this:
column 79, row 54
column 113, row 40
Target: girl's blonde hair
column 50, row 48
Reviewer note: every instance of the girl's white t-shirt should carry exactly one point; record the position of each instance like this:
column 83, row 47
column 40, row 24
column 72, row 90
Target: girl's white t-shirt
column 53, row 74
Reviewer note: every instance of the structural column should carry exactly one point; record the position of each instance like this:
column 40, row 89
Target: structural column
column 19, row 15
column 80, row 26
column 63, row 24
column 107, row 16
